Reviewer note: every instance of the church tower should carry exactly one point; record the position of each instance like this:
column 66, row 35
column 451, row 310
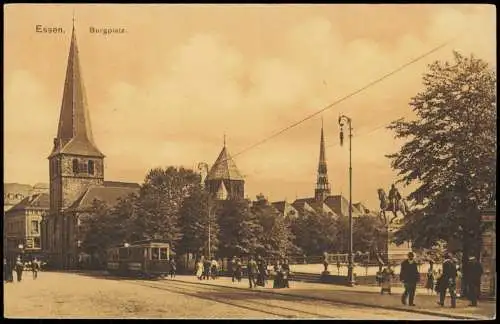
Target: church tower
column 322, row 186
column 224, row 180
column 75, row 162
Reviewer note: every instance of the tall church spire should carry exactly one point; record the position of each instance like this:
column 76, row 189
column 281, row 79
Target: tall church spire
column 74, row 133
column 322, row 186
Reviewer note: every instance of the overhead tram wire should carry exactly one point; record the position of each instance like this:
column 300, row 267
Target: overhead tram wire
column 352, row 94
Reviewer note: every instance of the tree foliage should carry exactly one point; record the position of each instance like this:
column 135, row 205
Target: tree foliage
column 369, row 234
column 450, row 153
column 160, row 199
column 276, row 236
column 196, row 213
column 315, row 233
column 239, row 228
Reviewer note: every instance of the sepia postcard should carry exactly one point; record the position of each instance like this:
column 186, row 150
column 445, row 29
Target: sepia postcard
column 250, row 161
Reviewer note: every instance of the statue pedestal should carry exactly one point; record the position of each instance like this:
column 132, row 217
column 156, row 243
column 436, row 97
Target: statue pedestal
column 395, row 253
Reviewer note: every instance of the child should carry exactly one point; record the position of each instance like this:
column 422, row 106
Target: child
column 430, row 279
column 387, row 276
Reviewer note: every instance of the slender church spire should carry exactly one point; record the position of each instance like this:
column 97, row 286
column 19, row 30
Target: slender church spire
column 322, row 186
column 74, row 133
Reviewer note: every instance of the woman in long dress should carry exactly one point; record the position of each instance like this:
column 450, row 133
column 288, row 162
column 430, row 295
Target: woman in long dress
column 199, row 269
column 277, row 283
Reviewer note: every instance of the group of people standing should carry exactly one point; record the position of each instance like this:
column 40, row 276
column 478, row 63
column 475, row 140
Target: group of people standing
column 18, row 267
column 441, row 282
column 256, row 271
column 206, row 268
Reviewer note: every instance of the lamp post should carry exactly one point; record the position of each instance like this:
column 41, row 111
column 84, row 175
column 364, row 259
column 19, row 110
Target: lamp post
column 342, row 119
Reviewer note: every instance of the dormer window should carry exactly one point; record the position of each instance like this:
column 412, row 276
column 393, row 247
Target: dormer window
column 90, row 167
column 75, row 166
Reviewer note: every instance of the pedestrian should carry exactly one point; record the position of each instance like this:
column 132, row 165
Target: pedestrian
column 35, row 267
column 173, row 267
column 474, row 273
column 199, row 269
column 409, row 276
column 19, row 269
column 277, row 282
column 220, row 269
column 262, row 272
column 429, row 284
column 214, row 266
column 285, row 269
column 252, row 272
column 448, row 281
column 206, row 268
column 325, row 262
column 233, row 268
column 239, row 269
column 386, row 277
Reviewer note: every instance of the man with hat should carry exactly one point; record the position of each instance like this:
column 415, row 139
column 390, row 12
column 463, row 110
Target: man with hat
column 448, row 281
column 474, row 272
column 409, row 276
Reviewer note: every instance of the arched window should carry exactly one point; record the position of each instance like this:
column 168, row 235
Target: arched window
column 75, row 166
column 90, row 166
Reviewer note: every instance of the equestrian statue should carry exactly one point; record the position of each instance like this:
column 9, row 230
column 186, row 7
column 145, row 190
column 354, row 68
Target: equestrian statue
column 392, row 203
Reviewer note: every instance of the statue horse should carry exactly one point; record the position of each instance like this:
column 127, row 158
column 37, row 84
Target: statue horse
column 386, row 205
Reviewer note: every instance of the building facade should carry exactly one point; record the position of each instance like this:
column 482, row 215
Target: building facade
column 22, row 225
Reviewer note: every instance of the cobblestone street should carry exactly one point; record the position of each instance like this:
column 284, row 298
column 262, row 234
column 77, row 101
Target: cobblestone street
column 79, row 295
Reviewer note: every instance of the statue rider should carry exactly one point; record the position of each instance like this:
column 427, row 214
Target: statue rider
column 394, row 197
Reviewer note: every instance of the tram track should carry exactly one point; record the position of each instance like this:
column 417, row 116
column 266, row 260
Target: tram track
column 270, row 307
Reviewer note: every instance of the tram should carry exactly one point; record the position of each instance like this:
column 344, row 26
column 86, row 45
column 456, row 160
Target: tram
column 146, row 259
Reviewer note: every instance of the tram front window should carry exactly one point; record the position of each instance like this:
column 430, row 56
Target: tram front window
column 163, row 254
column 154, row 254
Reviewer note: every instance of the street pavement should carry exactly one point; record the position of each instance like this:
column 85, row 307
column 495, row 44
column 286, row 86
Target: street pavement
column 369, row 296
column 94, row 295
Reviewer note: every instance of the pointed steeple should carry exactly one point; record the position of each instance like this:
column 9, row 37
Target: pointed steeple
column 224, row 168
column 322, row 186
column 74, row 133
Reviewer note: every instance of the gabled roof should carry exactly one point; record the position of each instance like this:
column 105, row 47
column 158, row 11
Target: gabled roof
column 224, row 168
column 301, row 205
column 285, row 208
column 36, row 201
column 340, row 205
column 74, row 133
column 362, row 208
column 109, row 195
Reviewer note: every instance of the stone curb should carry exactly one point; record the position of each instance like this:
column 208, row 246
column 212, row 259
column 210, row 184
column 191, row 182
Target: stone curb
column 409, row 310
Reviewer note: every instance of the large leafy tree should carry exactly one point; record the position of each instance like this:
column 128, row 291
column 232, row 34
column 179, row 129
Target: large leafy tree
column 196, row 213
column 239, row 228
column 276, row 236
column 315, row 233
column 450, row 154
column 369, row 234
column 160, row 199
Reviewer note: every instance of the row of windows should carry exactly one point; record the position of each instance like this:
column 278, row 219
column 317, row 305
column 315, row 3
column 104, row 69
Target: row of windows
column 77, row 166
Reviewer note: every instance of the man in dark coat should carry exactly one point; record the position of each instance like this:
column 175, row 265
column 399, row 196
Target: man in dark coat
column 474, row 273
column 448, row 281
column 252, row 272
column 409, row 276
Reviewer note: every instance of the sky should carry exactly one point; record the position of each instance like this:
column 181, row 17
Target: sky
column 167, row 90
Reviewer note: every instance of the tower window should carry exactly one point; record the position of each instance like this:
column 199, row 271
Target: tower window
column 75, row 166
column 91, row 167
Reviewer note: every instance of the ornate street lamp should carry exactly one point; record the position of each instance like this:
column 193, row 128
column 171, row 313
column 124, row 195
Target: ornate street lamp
column 342, row 119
